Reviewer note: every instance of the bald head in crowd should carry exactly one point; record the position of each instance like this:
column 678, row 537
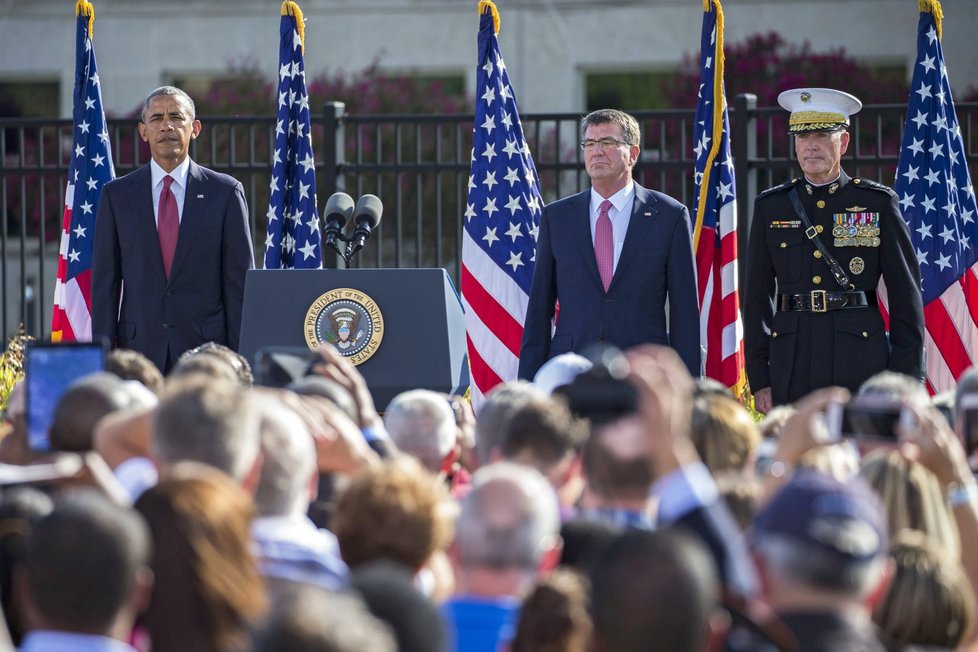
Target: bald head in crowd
column 422, row 424
column 509, row 522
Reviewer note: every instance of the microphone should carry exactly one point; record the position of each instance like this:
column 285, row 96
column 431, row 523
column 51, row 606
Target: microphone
column 366, row 216
column 339, row 208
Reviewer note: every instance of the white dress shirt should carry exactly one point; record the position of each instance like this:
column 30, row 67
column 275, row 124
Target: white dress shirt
column 178, row 187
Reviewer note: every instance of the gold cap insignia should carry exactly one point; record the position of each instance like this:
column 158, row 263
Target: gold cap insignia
column 805, row 97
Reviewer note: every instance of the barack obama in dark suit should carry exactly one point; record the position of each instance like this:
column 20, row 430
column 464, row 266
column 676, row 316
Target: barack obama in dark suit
column 649, row 260
column 175, row 261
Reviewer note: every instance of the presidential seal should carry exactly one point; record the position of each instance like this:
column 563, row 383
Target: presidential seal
column 349, row 320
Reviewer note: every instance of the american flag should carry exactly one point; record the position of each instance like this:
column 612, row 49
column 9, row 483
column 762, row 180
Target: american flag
column 502, row 215
column 293, row 238
column 89, row 170
column 715, row 228
column 937, row 200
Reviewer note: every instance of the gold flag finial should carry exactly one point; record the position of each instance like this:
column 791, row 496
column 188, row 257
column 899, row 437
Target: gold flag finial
column 85, row 8
column 933, row 7
column 489, row 4
column 290, row 8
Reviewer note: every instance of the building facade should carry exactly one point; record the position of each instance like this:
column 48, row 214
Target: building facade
column 551, row 46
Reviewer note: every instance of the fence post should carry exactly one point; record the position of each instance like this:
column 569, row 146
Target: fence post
column 744, row 142
column 334, row 142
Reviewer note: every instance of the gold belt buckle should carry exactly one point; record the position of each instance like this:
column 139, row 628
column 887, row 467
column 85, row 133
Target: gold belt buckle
column 819, row 301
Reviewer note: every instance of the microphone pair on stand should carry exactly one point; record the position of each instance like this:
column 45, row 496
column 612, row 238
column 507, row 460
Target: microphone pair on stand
column 339, row 210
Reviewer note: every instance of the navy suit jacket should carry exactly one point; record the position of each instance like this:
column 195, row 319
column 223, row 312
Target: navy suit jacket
column 201, row 301
column 656, row 263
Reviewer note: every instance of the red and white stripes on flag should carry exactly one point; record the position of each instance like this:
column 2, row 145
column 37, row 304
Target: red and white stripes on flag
column 495, row 309
column 502, row 215
column 715, row 224
column 951, row 333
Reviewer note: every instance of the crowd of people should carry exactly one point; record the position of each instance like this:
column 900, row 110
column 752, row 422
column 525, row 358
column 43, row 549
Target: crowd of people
column 617, row 504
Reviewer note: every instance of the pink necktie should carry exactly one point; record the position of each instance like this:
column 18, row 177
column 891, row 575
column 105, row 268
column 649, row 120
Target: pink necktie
column 604, row 248
column 168, row 224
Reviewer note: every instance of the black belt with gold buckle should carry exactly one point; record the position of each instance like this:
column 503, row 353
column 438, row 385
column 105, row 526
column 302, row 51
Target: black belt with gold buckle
column 823, row 301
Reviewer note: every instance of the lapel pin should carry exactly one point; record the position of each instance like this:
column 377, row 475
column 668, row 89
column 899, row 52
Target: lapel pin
column 648, row 214
column 200, row 196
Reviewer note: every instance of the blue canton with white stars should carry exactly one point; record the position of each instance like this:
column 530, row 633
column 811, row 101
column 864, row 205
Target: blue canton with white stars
column 503, row 207
column 936, row 195
column 293, row 239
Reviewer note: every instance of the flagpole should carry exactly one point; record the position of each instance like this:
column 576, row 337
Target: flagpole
column 89, row 170
column 715, row 217
column 500, row 222
column 293, row 234
column 718, row 62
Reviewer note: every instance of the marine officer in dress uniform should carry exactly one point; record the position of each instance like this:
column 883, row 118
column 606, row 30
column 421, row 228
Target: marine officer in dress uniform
column 818, row 247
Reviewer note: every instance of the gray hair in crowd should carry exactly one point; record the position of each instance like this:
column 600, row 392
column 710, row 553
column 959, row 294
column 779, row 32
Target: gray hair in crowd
column 508, row 520
column 422, row 423
column 802, row 565
column 288, row 460
column 207, row 420
column 893, row 385
column 500, row 406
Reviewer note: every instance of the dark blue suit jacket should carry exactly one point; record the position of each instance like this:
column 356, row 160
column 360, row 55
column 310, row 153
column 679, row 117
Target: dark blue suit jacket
column 202, row 300
column 656, row 263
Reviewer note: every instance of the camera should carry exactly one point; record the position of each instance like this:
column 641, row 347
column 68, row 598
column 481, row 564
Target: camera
column 867, row 417
column 278, row 366
column 968, row 414
column 601, row 394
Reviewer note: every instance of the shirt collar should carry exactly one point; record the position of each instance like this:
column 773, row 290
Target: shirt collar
column 619, row 200
column 179, row 173
column 819, row 185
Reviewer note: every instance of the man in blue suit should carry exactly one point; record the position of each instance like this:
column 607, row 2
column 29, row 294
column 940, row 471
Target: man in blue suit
column 173, row 242
column 612, row 256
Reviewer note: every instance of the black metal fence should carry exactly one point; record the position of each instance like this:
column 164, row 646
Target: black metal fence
column 418, row 165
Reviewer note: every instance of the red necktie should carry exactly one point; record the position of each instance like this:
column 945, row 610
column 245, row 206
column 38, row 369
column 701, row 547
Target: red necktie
column 168, row 224
column 604, row 246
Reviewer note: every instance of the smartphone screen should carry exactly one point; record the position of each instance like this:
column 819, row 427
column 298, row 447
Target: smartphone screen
column 48, row 371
